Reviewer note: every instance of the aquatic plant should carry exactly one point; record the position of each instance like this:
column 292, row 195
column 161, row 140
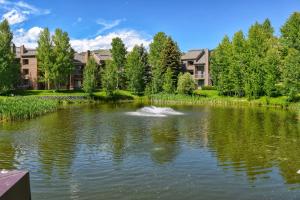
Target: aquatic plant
column 20, row 108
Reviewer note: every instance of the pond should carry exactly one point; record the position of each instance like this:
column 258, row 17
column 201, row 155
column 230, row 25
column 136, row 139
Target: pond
column 110, row 151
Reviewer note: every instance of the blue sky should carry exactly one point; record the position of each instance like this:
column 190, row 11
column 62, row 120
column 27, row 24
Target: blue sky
column 91, row 24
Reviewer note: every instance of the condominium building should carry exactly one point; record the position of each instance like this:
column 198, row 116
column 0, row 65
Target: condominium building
column 196, row 62
column 30, row 78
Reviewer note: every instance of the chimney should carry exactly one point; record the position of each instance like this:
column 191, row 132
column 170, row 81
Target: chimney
column 87, row 55
column 22, row 49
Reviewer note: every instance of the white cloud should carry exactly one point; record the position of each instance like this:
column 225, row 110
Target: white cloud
column 28, row 38
column 14, row 17
column 130, row 38
column 107, row 25
column 18, row 12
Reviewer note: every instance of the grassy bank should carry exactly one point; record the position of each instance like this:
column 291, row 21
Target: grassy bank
column 20, row 108
column 31, row 103
column 211, row 97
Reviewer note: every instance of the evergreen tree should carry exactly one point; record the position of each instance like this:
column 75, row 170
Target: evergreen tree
column 135, row 69
column 119, row 52
column 168, row 85
column 291, row 73
column 90, row 76
column 9, row 68
column 186, row 84
column 45, row 56
column 171, row 56
column 155, row 61
column 63, row 58
column 109, row 77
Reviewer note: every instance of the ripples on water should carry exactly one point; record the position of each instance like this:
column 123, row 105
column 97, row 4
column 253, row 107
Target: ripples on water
column 99, row 152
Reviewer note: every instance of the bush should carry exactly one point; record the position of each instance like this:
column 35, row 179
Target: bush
column 186, row 84
column 208, row 87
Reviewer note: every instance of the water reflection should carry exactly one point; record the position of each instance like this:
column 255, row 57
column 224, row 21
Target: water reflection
column 93, row 151
column 253, row 141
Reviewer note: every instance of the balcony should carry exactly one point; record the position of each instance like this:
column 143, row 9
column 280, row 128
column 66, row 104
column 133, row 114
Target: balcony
column 199, row 75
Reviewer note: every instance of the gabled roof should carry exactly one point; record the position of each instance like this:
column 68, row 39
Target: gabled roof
column 192, row 54
column 80, row 57
column 102, row 55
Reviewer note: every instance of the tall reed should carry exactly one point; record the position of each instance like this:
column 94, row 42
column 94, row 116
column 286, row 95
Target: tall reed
column 19, row 108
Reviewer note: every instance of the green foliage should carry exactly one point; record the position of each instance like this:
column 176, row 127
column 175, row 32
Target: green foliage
column 45, row 56
column 20, row 108
column 119, row 52
column 135, row 70
column 9, row 68
column 290, row 36
column 109, row 77
column 63, row 58
column 168, row 85
column 186, row 84
column 90, row 76
column 155, row 61
column 247, row 66
column 171, row 56
column 291, row 74
column 220, row 66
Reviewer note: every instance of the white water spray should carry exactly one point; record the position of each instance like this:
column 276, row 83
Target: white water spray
column 153, row 111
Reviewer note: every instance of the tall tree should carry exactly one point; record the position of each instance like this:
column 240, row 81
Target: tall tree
column 168, row 85
column 45, row 56
column 238, row 64
column 109, row 77
column 63, row 58
column 220, row 65
column 135, row 70
column 273, row 61
column 9, row 68
column 90, row 76
column 155, row 61
column 171, row 56
column 119, row 52
column 259, row 44
column 290, row 36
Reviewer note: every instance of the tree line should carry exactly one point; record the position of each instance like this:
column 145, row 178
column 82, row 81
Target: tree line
column 140, row 71
column 260, row 63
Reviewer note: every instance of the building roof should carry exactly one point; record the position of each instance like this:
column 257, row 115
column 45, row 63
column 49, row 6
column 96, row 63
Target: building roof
column 79, row 57
column 192, row 54
column 102, row 55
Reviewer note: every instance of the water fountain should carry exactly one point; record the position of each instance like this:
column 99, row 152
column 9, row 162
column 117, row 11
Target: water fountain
column 153, row 111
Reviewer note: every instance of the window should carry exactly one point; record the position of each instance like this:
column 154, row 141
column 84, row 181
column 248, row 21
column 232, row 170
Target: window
column 25, row 71
column 190, row 62
column 25, row 61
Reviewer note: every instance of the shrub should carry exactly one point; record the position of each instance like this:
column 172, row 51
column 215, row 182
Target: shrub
column 208, row 87
column 186, row 84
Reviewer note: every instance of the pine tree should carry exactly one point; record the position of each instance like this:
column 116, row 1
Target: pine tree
column 45, row 56
column 109, row 77
column 119, row 52
column 63, row 58
column 168, row 84
column 90, row 76
column 171, row 56
column 135, row 69
column 9, row 68
column 155, row 61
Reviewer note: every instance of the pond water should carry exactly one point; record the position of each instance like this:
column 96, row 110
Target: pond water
column 112, row 151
